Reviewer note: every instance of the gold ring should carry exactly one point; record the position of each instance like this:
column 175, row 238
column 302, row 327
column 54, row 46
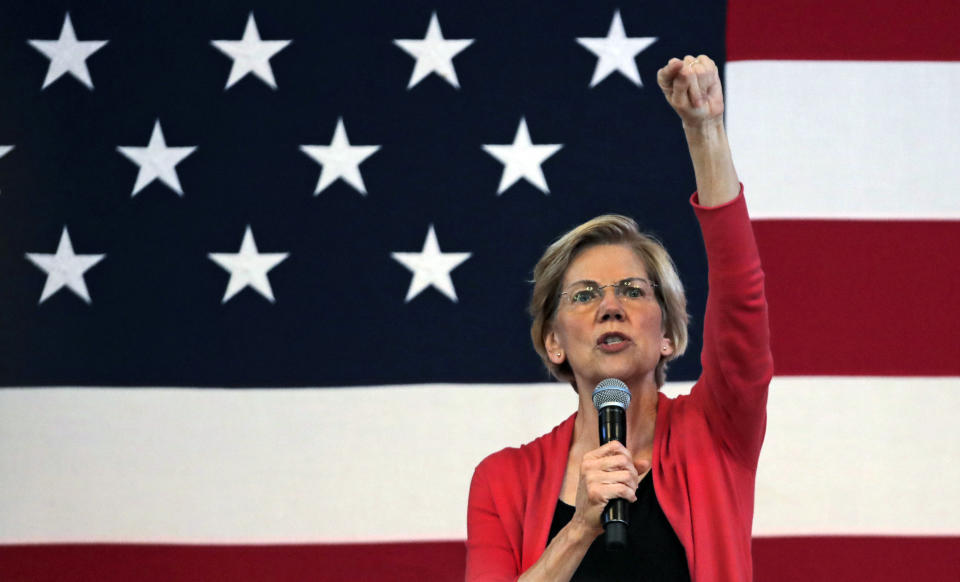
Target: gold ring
column 694, row 62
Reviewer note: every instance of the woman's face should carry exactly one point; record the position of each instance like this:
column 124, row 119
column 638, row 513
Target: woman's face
column 612, row 336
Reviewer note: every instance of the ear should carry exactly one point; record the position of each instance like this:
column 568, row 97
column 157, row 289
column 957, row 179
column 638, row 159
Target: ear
column 554, row 348
column 666, row 347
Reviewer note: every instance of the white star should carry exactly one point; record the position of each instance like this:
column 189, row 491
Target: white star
column 616, row 52
column 250, row 54
column 64, row 269
column 157, row 161
column 522, row 159
column 4, row 150
column 434, row 54
column 248, row 267
column 431, row 267
column 67, row 54
column 339, row 159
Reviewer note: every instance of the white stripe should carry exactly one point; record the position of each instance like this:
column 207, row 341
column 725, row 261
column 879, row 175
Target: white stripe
column 860, row 455
column 846, row 139
column 842, row 455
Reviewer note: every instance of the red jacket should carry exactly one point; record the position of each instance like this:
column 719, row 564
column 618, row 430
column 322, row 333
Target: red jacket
column 705, row 445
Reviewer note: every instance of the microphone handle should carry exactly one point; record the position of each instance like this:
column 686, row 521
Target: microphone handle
column 616, row 517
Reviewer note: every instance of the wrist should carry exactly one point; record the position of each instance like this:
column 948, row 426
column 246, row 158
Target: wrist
column 581, row 533
column 705, row 131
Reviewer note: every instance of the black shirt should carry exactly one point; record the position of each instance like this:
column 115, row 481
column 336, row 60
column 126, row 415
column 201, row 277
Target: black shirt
column 654, row 552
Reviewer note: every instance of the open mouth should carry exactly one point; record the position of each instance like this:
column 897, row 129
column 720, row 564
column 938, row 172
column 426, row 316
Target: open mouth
column 612, row 339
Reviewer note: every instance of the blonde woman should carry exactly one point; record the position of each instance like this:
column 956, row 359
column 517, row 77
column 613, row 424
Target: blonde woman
column 607, row 303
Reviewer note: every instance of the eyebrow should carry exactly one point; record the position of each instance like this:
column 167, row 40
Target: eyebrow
column 592, row 282
column 584, row 281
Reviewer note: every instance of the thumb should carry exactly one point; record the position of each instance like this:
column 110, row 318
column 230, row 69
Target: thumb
column 668, row 73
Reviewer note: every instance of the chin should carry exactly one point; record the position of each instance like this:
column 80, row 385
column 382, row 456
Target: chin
column 629, row 372
column 624, row 373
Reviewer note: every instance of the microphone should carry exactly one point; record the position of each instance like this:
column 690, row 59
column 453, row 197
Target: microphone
column 612, row 397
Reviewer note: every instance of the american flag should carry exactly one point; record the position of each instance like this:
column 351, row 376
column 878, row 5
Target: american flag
column 265, row 270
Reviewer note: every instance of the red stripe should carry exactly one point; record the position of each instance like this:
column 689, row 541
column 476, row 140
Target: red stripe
column 413, row 562
column 838, row 559
column 843, row 30
column 851, row 559
column 863, row 297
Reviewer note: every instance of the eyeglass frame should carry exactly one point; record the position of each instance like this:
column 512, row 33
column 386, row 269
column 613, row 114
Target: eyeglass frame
column 599, row 288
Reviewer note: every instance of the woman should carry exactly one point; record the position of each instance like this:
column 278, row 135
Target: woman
column 607, row 303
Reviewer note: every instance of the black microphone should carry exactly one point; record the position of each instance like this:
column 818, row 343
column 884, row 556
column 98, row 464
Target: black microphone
column 612, row 397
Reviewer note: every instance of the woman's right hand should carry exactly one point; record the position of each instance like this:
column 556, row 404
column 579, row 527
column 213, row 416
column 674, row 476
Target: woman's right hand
column 605, row 473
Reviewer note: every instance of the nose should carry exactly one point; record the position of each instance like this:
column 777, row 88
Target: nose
column 610, row 307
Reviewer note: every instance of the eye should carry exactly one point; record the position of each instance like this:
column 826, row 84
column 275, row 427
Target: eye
column 585, row 295
column 632, row 289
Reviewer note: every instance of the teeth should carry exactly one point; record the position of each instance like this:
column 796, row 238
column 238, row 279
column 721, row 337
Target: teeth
column 613, row 340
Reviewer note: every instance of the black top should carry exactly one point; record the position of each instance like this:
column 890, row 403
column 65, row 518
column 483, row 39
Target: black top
column 654, row 552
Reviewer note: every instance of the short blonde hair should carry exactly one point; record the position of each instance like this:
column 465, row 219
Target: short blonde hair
column 607, row 229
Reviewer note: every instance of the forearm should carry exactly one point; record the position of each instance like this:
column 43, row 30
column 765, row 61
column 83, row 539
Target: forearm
column 562, row 556
column 717, row 181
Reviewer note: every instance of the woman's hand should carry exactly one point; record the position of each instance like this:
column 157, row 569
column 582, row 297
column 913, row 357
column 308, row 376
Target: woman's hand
column 605, row 473
column 692, row 87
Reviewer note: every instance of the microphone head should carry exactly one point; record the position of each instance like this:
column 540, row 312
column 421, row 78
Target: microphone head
column 611, row 392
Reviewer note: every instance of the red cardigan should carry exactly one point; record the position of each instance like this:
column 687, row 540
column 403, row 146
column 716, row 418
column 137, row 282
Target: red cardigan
column 705, row 445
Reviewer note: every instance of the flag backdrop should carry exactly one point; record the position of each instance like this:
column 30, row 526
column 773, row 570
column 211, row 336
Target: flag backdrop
column 265, row 270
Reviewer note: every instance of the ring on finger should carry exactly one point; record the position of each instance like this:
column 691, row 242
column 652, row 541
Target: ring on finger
column 694, row 62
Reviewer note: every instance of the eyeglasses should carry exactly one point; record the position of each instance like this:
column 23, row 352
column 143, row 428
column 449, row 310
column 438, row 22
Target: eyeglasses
column 587, row 293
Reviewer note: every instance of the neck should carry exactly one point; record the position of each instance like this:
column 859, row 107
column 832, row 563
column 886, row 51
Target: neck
column 641, row 418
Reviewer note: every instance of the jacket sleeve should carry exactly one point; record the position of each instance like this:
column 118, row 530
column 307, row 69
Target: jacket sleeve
column 736, row 358
column 490, row 554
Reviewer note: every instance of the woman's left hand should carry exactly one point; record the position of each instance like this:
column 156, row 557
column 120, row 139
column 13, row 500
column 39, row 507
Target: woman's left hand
column 692, row 87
